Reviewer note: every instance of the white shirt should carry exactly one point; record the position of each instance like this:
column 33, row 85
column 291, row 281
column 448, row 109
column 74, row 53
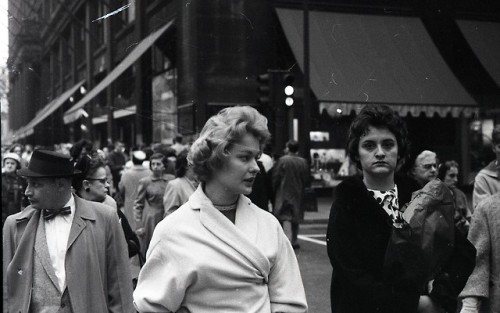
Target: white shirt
column 57, row 234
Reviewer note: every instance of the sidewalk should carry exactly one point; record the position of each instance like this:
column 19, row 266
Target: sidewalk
column 321, row 216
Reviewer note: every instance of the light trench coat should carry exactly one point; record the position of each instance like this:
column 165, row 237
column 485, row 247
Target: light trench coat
column 199, row 261
column 97, row 271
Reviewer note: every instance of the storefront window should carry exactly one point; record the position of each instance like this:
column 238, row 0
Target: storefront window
column 164, row 109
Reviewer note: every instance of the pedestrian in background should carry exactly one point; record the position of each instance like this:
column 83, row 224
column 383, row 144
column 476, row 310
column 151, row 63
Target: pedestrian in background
column 92, row 185
column 425, row 167
column 448, row 173
column 13, row 186
column 63, row 253
column 148, row 205
column 178, row 191
column 18, row 149
column 219, row 252
column 129, row 183
column 482, row 291
column 487, row 181
column 116, row 161
column 290, row 178
column 362, row 216
column 80, row 149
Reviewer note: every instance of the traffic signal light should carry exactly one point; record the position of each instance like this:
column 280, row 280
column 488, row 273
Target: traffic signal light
column 264, row 89
column 288, row 89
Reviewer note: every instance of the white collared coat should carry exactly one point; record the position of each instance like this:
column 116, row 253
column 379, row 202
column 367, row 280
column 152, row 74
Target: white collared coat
column 199, row 261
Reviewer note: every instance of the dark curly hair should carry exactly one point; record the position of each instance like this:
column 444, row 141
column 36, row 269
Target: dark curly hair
column 378, row 116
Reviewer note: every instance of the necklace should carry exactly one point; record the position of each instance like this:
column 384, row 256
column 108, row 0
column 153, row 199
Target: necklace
column 228, row 207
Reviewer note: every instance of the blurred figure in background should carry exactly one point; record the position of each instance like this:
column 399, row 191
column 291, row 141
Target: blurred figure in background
column 448, row 173
column 425, row 167
column 80, row 149
column 487, row 181
column 290, row 178
column 28, row 151
column 116, row 161
column 13, row 186
column 148, row 205
column 178, row 191
column 18, row 149
column 128, row 185
column 482, row 291
column 178, row 146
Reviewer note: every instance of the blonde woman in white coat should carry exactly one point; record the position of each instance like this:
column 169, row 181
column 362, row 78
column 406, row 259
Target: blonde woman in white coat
column 219, row 252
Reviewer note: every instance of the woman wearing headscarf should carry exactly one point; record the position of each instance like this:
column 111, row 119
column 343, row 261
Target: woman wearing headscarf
column 13, row 186
column 219, row 252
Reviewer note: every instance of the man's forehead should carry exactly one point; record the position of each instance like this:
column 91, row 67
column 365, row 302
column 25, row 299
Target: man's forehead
column 428, row 159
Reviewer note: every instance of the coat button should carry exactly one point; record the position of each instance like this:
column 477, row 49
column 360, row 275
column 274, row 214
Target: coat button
column 63, row 305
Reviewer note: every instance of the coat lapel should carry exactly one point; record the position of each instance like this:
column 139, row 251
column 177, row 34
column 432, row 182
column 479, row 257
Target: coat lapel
column 240, row 236
column 20, row 269
column 42, row 252
column 83, row 212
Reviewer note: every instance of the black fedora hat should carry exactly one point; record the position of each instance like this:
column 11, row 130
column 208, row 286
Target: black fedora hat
column 44, row 163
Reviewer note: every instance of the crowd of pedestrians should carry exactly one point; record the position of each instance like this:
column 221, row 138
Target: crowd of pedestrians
column 187, row 227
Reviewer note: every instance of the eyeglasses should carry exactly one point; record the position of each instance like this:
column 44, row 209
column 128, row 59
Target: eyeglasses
column 429, row 166
column 101, row 180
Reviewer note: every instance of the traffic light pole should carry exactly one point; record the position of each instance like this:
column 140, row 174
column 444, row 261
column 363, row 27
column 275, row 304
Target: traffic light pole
column 305, row 121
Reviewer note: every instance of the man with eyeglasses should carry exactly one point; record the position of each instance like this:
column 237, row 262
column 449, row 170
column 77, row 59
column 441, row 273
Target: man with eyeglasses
column 487, row 181
column 425, row 167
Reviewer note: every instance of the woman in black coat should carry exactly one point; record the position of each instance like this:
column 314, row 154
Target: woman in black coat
column 361, row 219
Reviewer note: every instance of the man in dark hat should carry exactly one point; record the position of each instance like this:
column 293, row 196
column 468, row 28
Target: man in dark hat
column 63, row 253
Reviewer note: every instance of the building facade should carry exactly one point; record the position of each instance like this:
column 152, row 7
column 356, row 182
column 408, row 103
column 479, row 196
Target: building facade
column 143, row 71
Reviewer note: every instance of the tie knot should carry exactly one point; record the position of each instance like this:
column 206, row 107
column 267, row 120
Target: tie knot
column 50, row 214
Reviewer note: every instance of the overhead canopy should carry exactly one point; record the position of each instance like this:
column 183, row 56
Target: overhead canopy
column 484, row 40
column 73, row 113
column 47, row 110
column 357, row 59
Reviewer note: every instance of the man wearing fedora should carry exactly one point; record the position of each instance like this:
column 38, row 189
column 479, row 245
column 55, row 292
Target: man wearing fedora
column 63, row 253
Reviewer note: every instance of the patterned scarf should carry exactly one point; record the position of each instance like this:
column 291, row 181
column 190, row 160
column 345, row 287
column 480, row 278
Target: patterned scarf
column 389, row 201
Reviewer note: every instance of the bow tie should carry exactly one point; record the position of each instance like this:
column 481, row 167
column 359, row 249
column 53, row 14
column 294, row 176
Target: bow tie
column 50, row 214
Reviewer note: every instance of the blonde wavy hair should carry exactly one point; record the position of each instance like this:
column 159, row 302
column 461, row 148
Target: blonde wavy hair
column 221, row 131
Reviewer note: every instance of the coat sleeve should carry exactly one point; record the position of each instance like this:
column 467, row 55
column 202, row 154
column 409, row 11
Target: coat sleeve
column 478, row 282
column 139, row 203
column 163, row 279
column 118, row 273
column 481, row 190
column 171, row 198
column 286, row 290
column 8, row 249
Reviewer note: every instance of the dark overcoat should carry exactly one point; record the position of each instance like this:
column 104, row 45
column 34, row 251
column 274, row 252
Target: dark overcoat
column 357, row 236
